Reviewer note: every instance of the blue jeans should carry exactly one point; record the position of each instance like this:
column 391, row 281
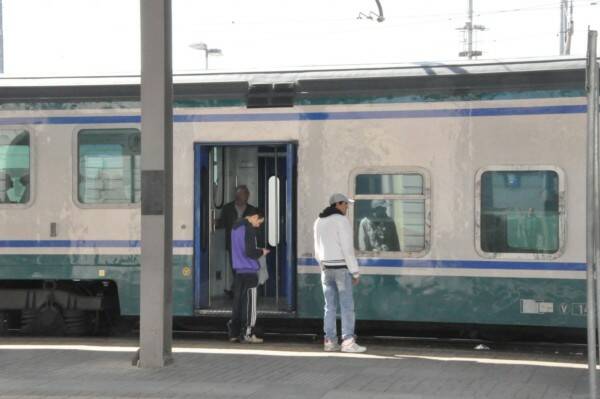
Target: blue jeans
column 337, row 285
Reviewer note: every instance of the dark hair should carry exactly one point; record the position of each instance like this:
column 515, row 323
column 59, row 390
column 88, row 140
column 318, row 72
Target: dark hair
column 255, row 211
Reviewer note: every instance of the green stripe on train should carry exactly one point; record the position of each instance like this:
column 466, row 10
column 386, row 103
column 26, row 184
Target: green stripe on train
column 482, row 300
column 394, row 98
column 400, row 298
column 122, row 269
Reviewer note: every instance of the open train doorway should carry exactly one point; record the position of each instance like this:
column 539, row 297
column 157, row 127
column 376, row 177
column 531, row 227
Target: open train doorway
column 268, row 172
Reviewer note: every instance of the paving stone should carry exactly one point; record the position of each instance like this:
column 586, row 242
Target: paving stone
column 54, row 374
column 368, row 395
column 291, row 391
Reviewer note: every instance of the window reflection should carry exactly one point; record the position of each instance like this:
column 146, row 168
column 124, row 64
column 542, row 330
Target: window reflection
column 14, row 167
column 389, row 213
column 109, row 166
column 389, row 184
column 519, row 212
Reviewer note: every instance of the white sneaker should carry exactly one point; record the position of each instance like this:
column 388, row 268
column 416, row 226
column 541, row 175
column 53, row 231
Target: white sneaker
column 330, row 346
column 350, row 346
column 252, row 339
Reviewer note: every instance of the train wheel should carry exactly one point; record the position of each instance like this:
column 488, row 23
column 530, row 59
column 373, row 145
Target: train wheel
column 51, row 321
column 46, row 320
column 76, row 322
column 28, row 321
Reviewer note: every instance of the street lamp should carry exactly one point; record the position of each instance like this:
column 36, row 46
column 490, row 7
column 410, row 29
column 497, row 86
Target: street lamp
column 203, row 47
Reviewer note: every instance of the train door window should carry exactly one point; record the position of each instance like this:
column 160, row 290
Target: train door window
column 520, row 212
column 109, row 167
column 391, row 212
column 15, row 164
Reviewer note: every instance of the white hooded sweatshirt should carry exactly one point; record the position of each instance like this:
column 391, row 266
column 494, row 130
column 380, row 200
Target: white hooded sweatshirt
column 333, row 242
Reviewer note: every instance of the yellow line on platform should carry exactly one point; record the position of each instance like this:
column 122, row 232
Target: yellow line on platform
column 508, row 362
column 215, row 351
column 256, row 350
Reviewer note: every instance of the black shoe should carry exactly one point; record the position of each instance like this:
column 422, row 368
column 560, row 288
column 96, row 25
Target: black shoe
column 232, row 337
column 229, row 293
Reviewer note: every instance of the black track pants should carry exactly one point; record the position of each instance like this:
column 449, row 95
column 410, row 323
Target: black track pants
column 243, row 315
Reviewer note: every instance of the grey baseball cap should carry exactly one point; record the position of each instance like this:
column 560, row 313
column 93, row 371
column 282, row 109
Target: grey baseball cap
column 338, row 197
column 379, row 204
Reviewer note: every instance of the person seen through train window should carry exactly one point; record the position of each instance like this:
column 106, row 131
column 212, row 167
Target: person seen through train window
column 377, row 231
column 6, row 184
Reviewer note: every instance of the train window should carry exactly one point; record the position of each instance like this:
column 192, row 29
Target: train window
column 389, row 184
column 15, row 160
column 109, row 166
column 390, row 213
column 519, row 211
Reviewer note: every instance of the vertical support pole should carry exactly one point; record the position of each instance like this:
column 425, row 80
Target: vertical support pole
column 470, row 31
column 593, row 77
column 563, row 27
column 157, row 185
column 290, row 225
column 1, row 38
column 591, row 201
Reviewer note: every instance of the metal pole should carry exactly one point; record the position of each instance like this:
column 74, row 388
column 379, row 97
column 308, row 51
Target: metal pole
column 157, row 185
column 563, row 26
column 591, row 190
column 570, row 29
column 470, row 31
column 277, row 235
column 1, row 38
column 593, row 121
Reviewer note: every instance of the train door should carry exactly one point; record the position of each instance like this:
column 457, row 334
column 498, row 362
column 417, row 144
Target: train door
column 268, row 172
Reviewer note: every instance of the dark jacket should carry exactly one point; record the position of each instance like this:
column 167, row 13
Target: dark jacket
column 244, row 250
column 228, row 218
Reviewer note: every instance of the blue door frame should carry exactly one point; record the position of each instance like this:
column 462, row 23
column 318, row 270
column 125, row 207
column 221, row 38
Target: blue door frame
column 201, row 230
column 290, row 234
column 201, row 168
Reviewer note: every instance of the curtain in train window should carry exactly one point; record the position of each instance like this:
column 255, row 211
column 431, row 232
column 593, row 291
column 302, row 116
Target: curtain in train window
column 109, row 166
column 389, row 213
column 14, row 166
column 519, row 212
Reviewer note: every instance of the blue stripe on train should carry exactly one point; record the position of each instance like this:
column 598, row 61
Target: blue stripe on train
column 315, row 116
column 368, row 262
column 460, row 264
column 84, row 243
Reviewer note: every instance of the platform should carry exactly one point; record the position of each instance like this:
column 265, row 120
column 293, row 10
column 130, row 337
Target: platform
column 211, row 367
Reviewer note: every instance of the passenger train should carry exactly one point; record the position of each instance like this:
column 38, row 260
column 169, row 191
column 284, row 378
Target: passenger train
column 469, row 181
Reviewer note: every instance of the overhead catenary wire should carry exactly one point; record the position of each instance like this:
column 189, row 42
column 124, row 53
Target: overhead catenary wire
column 525, row 36
column 325, row 24
column 325, row 31
column 209, row 20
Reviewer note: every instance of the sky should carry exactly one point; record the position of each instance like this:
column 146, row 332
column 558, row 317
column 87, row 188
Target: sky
column 102, row 37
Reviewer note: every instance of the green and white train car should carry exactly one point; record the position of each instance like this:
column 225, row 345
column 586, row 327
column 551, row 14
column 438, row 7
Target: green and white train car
column 481, row 168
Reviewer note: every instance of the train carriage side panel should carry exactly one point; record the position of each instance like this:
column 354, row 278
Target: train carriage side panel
column 451, row 282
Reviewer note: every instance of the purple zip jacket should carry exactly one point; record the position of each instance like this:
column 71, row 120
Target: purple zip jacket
column 244, row 252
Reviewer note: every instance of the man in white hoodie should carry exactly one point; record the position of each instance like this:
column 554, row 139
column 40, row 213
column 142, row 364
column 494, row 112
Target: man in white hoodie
column 339, row 272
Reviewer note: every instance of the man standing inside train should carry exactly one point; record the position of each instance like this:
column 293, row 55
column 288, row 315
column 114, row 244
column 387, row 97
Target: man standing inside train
column 339, row 272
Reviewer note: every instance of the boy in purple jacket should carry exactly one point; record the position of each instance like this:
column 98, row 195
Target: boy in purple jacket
column 244, row 258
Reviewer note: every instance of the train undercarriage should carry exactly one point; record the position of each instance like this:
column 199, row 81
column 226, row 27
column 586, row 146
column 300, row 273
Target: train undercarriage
column 58, row 307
